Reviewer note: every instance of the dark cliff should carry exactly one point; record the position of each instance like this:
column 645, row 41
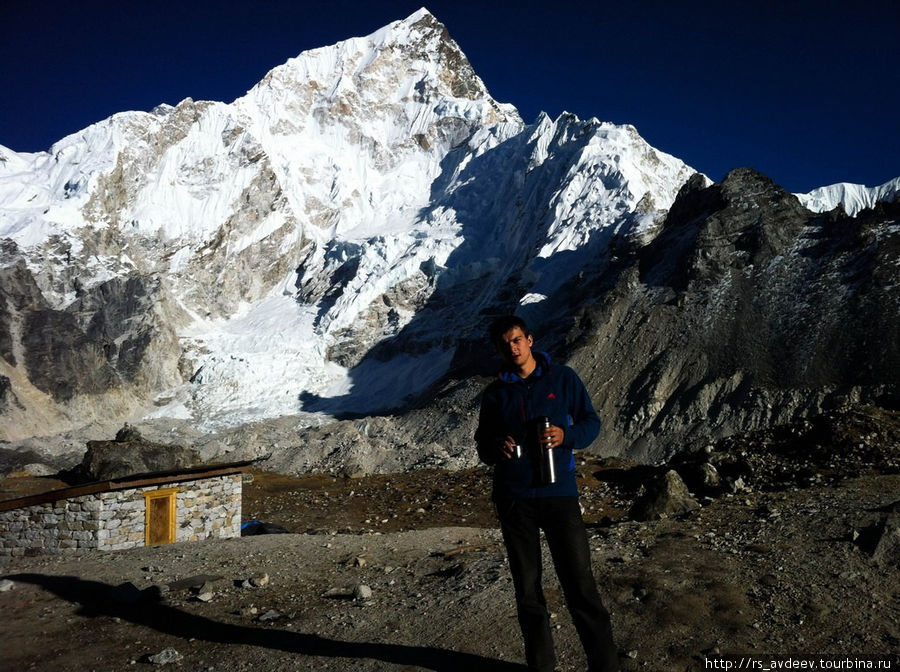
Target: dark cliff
column 745, row 311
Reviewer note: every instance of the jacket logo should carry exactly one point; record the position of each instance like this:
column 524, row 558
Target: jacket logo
column 551, row 396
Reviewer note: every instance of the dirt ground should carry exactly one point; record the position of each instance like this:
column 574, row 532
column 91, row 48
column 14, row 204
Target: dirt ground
column 784, row 571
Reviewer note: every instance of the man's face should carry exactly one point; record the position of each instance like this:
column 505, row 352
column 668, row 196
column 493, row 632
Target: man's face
column 515, row 348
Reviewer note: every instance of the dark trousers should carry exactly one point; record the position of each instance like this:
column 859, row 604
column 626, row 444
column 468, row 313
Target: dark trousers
column 521, row 521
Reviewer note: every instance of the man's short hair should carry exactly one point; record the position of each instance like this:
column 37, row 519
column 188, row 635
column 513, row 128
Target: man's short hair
column 503, row 324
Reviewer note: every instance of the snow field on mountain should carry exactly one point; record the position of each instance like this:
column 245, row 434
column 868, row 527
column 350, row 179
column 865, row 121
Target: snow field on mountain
column 852, row 197
column 259, row 363
column 252, row 365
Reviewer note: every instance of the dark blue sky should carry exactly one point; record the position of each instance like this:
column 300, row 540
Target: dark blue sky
column 806, row 92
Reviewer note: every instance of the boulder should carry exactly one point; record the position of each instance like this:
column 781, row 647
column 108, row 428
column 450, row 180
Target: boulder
column 887, row 550
column 131, row 454
column 667, row 496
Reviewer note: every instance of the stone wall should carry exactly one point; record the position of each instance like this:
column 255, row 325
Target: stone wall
column 117, row 519
column 213, row 510
column 51, row 527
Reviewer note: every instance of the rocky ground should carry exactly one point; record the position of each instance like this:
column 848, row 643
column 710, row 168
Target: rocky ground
column 407, row 572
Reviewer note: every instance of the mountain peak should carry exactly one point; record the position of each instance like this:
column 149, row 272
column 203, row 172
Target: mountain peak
column 410, row 59
column 420, row 13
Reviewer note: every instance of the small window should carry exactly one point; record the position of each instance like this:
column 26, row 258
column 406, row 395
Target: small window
column 159, row 527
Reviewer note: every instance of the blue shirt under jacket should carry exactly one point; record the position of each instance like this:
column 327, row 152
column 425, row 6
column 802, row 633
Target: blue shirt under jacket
column 507, row 406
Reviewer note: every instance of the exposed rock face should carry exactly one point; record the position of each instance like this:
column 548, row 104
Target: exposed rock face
column 95, row 344
column 887, row 551
column 7, row 396
column 744, row 312
column 103, row 341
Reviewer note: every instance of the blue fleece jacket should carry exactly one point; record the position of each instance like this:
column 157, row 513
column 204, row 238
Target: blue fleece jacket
column 507, row 407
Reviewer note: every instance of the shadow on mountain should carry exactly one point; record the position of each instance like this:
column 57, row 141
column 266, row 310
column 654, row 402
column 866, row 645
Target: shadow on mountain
column 851, row 244
column 790, row 299
column 144, row 608
column 502, row 206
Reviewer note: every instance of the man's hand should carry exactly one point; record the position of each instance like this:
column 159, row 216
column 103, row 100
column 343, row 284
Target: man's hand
column 507, row 448
column 553, row 437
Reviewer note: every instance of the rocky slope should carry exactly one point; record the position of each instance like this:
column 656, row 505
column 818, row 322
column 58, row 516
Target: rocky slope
column 746, row 311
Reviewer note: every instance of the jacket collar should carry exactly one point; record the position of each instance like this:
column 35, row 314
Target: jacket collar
column 543, row 365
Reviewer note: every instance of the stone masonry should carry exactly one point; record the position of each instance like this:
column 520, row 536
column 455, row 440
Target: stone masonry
column 117, row 519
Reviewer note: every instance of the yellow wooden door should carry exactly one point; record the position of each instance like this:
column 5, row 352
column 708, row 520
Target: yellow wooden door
column 160, row 518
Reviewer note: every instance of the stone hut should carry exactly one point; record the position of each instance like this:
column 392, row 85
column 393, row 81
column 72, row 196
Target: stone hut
column 142, row 510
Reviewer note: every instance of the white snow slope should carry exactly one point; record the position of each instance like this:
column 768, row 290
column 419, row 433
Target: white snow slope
column 852, row 197
column 366, row 195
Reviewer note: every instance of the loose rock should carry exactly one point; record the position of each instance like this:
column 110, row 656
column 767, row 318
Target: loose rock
column 270, row 615
column 256, row 581
column 165, row 657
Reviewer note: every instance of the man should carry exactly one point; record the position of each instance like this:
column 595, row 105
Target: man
column 529, row 387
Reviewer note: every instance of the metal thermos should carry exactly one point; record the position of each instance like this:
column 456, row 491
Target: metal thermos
column 546, row 468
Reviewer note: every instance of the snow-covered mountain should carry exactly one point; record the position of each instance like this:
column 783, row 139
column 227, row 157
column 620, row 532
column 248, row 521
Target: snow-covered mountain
column 263, row 276
column 290, row 231
column 851, row 197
